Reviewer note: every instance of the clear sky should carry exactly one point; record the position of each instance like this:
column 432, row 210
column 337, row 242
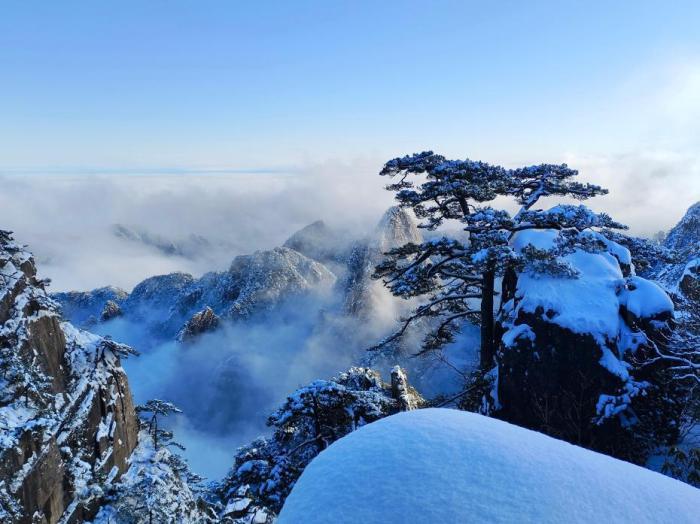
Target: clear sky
column 255, row 85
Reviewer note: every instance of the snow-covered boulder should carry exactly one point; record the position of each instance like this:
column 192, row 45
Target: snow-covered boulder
column 440, row 465
column 571, row 343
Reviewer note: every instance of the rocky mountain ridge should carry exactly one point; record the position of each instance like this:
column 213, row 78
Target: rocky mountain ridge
column 67, row 420
column 313, row 260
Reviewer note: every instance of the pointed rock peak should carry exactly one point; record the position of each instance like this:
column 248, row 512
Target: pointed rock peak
column 397, row 227
column 201, row 322
column 313, row 229
column 316, row 241
column 280, row 263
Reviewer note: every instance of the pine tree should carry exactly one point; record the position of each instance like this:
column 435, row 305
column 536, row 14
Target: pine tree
column 451, row 274
column 159, row 485
column 309, row 420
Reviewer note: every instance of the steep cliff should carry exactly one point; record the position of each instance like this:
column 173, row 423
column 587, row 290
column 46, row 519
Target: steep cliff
column 365, row 296
column 67, row 421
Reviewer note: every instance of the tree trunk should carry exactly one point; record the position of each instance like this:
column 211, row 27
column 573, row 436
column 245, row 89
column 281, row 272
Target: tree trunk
column 488, row 347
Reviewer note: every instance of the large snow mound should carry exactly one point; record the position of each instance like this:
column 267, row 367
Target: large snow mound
column 587, row 304
column 442, row 465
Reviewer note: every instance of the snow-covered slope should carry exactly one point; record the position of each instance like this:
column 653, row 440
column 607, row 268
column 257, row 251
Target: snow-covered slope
column 439, row 465
column 686, row 234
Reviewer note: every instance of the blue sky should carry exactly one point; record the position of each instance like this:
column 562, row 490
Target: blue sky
column 258, row 85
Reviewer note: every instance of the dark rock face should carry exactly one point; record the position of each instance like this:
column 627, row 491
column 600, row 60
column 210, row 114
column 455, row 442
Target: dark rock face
column 553, row 383
column 67, row 412
column 689, row 284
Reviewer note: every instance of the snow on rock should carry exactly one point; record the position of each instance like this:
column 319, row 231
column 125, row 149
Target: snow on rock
column 440, row 465
column 686, row 234
column 397, row 228
column 83, row 308
column 644, row 298
column 587, row 304
column 253, row 283
column 66, row 413
column 364, row 295
column 684, row 241
column 578, row 334
column 202, row 322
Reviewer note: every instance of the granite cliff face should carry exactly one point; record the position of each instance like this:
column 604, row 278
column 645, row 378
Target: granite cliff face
column 67, row 420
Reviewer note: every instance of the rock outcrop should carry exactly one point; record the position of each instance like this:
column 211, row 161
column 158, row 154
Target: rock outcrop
column 67, row 421
column 202, row 322
column 570, row 350
column 363, row 294
column 110, row 311
column 317, row 241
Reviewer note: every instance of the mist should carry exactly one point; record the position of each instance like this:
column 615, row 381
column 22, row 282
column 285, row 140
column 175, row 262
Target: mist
column 228, row 382
column 68, row 219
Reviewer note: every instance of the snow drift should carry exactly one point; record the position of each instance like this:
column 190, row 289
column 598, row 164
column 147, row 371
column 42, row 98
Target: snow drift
column 441, row 465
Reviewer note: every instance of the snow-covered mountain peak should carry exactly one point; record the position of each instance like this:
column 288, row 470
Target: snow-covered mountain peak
column 282, row 262
column 396, row 228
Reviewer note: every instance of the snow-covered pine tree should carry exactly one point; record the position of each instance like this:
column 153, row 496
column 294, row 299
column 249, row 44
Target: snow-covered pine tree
column 450, row 273
column 310, row 419
column 158, row 408
column 159, row 485
column 569, row 379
